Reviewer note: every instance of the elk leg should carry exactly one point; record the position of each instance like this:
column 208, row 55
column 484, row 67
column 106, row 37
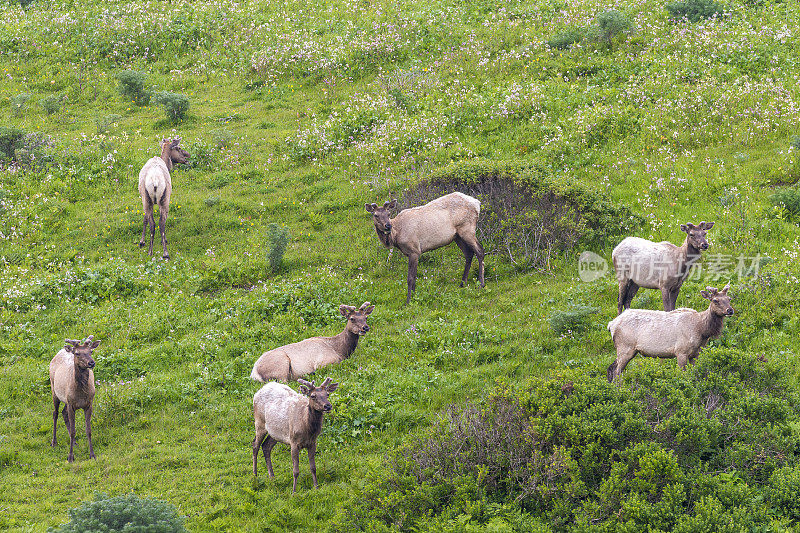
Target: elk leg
column 162, row 224
column 673, row 299
column 295, row 466
column 632, row 289
column 152, row 222
column 87, row 414
column 682, row 360
column 312, row 464
column 256, row 446
column 144, row 230
column 413, row 261
column 468, row 254
column 56, row 403
column 622, row 361
column 266, row 447
column 666, row 297
column 71, row 429
column 477, row 250
column 623, row 293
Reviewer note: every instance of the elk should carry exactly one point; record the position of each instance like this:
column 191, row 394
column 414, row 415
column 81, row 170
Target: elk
column 283, row 415
column 678, row 334
column 289, row 362
column 155, row 188
column 72, row 382
column 657, row 265
column 414, row 231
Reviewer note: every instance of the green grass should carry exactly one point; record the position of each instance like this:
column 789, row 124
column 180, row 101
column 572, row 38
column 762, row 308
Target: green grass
column 669, row 121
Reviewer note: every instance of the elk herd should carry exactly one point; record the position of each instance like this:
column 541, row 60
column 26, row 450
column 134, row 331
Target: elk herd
column 295, row 418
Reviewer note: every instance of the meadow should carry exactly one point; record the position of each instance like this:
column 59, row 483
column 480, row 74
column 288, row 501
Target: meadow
column 300, row 114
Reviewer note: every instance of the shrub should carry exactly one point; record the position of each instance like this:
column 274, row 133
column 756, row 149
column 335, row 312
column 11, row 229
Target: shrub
column 175, row 105
column 128, row 514
column 104, row 124
column 666, row 450
column 19, row 104
column 576, row 319
column 612, row 23
column 277, row 240
column 565, row 39
column 788, row 200
column 11, row 139
column 132, row 86
column 50, row 104
column 526, row 213
column 35, row 149
column 694, row 10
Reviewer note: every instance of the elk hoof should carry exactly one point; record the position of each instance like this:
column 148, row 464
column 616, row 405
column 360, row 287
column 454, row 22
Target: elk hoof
column 141, row 245
column 165, row 256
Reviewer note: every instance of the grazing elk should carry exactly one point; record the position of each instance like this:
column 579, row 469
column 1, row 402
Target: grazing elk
column 657, row 265
column 155, row 188
column 289, row 362
column 679, row 334
column 283, row 415
column 414, row 231
column 72, row 382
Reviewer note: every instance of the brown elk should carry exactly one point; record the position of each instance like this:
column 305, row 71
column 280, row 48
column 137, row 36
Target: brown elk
column 155, row 188
column 414, row 231
column 679, row 334
column 283, row 415
column 72, row 382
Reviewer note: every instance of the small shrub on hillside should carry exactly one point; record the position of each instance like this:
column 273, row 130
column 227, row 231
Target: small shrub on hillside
column 132, row 86
column 665, row 450
column 277, row 240
column 576, row 319
column 788, row 200
column 695, row 10
column 175, row 105
column 50, row 104
column 222, row 138
column 36, row 149
column 123, row 514
column 19, row 104
column 610, row 24
column 11, row 139
column 106, row 123
column 565, row 39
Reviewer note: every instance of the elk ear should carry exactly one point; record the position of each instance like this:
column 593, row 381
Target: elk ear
column 346, row 310
column 68, row 348
column 391, row 205
column 330, row 387
column 706, row 225
column 705, row 294
column 686, row 228
column 371, row 207
column 368, row 311
column 725, row 289
column 306, row 387
column 95, row 344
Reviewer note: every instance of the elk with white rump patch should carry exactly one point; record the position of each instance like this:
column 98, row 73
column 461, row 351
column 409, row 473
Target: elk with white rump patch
column 679, row 334
column 283, row 415
column 657, row 265
column 155, row 188
column 414, row 231
column 289, row 362
column 72, row 382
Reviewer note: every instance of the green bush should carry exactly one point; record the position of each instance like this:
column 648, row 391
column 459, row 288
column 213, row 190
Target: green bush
column 277, row 240
column 612, row 23
column 106, row 123
column 123, row 514
column 50, row 104
column 695, row 10
column 565, row 39
column 666, row 450
column 788, row 200
column 576, row 319
column 11, row 139
column 132, row 86
column 175, row 105
column 19, row 104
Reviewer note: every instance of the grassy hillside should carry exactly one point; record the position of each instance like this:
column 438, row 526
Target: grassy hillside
column 299, row 114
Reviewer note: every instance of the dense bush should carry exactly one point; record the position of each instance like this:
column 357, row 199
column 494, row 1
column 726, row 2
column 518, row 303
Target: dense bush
column 526, row 213
column 175, row 105
column 106, row 123
column 695, row 10
column 610, row 24
column 19, row 104
column 277, row 240
column 50, row 104
column 788, row 200
column 576, row 319
column 667, row 450
column 123, row 514
column 132, row 85
column 11, row 139
column 565, row 39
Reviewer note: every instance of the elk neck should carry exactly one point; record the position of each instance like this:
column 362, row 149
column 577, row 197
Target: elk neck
column 165, row 157
column 711, row 324
column 689, row 256
column 345, row 343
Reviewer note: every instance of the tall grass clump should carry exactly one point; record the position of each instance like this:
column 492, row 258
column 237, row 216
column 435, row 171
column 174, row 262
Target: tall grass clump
column 50, row 104
column 694, row 10
column 175, row 105
column 565, row 39
column 277, row 240
column 123, row 514
column 789, row 200
column 132, row 85
column 19, row 104
column 576, row 319
column 11, row 140
column 611, row 23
